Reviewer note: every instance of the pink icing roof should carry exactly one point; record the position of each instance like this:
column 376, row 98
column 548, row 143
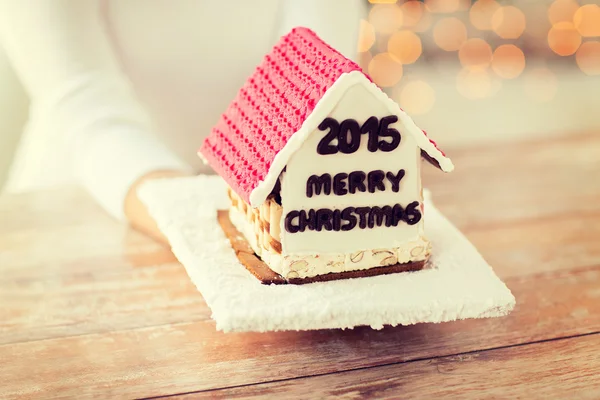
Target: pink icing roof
column 271, row 106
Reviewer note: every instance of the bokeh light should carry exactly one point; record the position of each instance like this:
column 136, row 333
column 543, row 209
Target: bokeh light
column 412, row 12
column 385, row 70
column 508, row 22
column 562, row 11
column 386, row 18
column 443, row 6
column 450, row 34
column 481, row 14
column 587, row 20
column 366, row 36
column 475, row 53
column 405, row 46
column 416, row 97
column 474, row 84
column 415, row 16
column 588, row 58
column 364, row 59
column 564, row 39
column 540, row 84
column 508, row 61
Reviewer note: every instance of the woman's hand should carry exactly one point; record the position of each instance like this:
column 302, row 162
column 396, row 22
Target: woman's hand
column 136, row 211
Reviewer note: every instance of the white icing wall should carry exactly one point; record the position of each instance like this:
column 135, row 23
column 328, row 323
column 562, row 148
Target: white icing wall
column 359, row 104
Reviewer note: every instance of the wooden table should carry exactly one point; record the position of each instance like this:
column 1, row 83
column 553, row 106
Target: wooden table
column 91, row 308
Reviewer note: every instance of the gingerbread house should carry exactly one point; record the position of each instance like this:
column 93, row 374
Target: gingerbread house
column 323, row 167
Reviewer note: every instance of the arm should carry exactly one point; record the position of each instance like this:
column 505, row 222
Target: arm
column 65, row 61
column 336, row 21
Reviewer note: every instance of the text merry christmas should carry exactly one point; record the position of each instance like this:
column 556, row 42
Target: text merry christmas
column 356, row 181
column 351, row 217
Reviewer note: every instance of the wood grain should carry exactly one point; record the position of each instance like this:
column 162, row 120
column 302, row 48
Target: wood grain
column 188, row 357
column 95, row 302
column 504, row 183
column 91, row 308
column 562, row 369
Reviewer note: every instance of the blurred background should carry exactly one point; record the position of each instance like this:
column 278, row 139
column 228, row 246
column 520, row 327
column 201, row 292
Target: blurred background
column 486, row 70
column 467, row 71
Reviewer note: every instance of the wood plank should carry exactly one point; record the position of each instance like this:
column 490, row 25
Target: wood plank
column 519, row 181
column 537, row 246
column 99, row 301
column 193, row 356
column 34, row 253
column 561, row 369
column 49, row 208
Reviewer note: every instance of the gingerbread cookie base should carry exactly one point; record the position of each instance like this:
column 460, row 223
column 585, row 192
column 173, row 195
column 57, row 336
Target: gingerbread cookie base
column 267, row 276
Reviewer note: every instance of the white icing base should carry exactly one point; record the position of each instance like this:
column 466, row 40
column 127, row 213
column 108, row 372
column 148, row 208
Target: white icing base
column 306, row 266
column 458, row 284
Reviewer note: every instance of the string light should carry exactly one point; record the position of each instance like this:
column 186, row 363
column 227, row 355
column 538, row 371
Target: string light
column 416, row 97
column 588, row 58
column 405, row 46
column 508, row 22
column 450, row 34
column 475, row 53
column 508, row 61
column 385, row 70
column 481, row 13
column 587, row 20
column 386, row 18
column 564, row 39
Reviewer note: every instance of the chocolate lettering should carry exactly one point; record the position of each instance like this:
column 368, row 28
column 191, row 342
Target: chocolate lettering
column 324, row 217
column 307, row 220
column 395, row 179
column 346, row 136
column 289, row 225
column 351, row 217
column 349, row 137
column 337, row 220
column 371, row 126
column 356, row 182
column 325, row 146
column 348, row 216
column 362, row 216
column 378, row 214
column 412, row 215
column 317, row 184
column 375, row 180
column 339, row 184
column 385, row 131
column 397, row 214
